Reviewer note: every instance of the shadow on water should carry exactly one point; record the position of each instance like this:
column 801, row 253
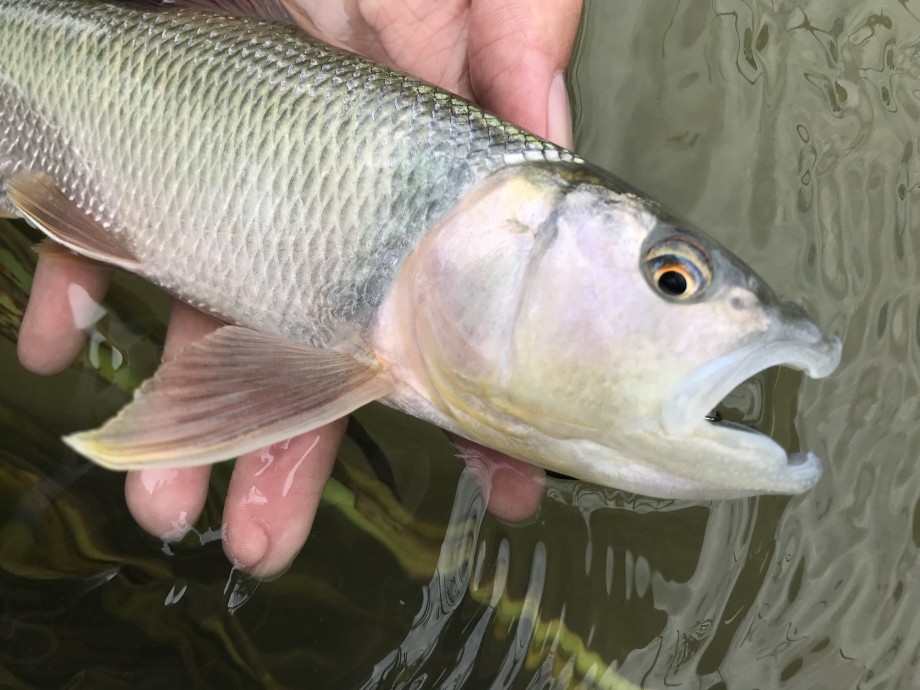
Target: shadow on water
column 787, row 132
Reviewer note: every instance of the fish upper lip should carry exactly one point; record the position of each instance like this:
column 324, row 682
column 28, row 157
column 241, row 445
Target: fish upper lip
column 708, row 385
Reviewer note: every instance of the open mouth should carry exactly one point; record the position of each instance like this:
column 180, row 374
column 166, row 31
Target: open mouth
column 691, row 411
column 716, row 419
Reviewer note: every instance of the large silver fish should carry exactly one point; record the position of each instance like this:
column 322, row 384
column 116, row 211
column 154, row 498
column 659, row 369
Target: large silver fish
column 372, row 237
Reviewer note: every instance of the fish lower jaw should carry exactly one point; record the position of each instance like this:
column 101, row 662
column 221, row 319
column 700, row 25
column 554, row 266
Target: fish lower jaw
column 744, row 456
column 637, row 470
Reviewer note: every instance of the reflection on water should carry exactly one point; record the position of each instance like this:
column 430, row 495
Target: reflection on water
column 788, row 131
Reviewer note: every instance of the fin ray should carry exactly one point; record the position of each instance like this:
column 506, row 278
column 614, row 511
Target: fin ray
column 232, row 392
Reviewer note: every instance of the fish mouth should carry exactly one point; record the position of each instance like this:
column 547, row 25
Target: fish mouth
column 798, row 345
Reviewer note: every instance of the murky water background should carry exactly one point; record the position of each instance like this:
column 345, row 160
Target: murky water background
column 788, row 131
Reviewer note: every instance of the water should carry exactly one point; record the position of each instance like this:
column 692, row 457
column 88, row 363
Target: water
column 788, row 131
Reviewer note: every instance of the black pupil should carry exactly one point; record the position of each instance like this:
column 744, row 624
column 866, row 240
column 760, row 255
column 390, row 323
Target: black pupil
column 672, row 282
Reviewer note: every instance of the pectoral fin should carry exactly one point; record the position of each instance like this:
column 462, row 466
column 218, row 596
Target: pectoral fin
column 230, row 393
column 38, row 198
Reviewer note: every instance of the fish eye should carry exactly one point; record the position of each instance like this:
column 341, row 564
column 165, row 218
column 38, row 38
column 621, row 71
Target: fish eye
column 678, row 268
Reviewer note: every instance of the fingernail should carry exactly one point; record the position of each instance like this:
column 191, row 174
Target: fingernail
column 559, row 112
column 83, row 308
column 154, row 479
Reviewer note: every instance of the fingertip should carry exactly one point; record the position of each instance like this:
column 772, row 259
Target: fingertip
column 64, row 302
column 534, row 97
column 247, row 545
column 167, row 502
column 513, row 488
column 273, row 497
column 517, row 489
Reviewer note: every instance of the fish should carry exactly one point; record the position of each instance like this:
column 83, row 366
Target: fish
column 366, row 236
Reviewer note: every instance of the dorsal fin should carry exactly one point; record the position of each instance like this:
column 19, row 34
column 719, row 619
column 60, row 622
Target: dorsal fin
column 270, row 10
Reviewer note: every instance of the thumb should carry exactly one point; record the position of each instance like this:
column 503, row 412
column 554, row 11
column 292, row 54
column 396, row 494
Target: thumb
column 518, row 53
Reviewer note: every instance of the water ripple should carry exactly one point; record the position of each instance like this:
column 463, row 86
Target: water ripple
column 805, row 160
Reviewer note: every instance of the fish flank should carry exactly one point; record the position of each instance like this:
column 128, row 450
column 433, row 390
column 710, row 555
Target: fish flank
column 212, row 102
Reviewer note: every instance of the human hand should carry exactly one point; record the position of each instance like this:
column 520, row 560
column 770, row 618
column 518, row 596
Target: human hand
column 509, row 56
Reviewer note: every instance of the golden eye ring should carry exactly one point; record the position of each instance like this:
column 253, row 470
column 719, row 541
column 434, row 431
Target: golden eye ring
column 678, row 268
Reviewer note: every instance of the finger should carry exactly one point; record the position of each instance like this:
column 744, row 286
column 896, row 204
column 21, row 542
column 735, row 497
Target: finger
column 273, row 497
column 186, row 325
column 166, row 502
column 426, row 39
column 64, row 302
column 512, row 488
column 519, row 51
column 340, row 24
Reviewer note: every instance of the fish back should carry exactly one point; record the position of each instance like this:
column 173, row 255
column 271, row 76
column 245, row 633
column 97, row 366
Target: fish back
column 261, row 176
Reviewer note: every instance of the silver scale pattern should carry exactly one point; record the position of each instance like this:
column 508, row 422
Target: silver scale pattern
column 278, row 180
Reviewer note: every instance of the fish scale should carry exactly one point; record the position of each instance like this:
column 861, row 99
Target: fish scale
column 212, row 102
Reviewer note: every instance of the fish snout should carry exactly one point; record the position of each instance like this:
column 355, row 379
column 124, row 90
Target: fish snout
column 811, row 350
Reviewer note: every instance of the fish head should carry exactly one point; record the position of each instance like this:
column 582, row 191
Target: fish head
column 577, row 325
column 631, row 328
